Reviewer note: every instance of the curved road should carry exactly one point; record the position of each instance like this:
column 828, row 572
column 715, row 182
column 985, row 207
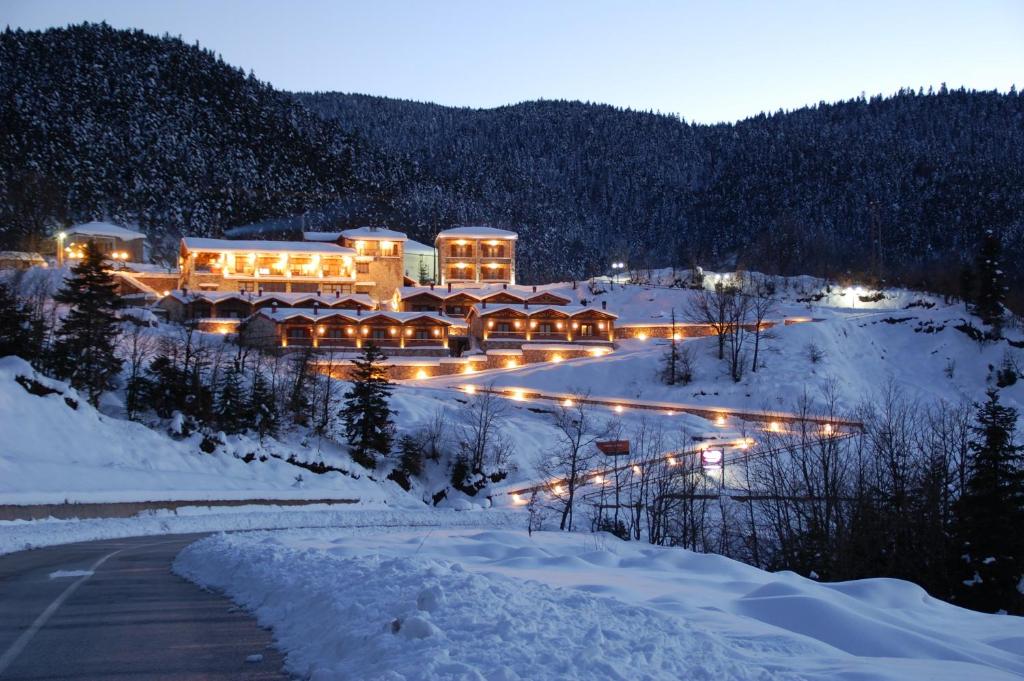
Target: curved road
column 130, row 619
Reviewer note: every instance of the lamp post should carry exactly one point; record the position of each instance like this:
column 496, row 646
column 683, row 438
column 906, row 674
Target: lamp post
column 60, row 248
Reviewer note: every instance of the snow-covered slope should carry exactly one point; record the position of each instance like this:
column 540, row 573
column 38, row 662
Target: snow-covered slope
column 502, row 605
column 52, row 452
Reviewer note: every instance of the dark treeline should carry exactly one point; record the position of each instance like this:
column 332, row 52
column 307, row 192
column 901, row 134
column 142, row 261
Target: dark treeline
column 104, row 123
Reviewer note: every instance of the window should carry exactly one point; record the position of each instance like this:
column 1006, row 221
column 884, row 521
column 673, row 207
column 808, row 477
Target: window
column 247, row 286
column 424, row 308
column 456, row 310
column 335, row 332
column 378, row 334
column 494, row 251
column 422, row 333
column 362, row 268
column 337, row 288
column 464, row 251
column 546, row 327
column 503, row 327
column 297, row 333
column 587, row 329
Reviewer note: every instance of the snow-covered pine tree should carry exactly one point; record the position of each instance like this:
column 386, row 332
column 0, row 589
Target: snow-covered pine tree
column 263, row 406
column 991, row 295
column 84, row 351
column 232, row 407
column 989, row 544
column 670, row 368
column 366, row 413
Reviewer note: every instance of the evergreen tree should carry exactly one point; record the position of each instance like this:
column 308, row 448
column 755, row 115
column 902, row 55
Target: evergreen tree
column 84, row 351
column 991, row 283
column 232, row 406
column 670, row 371
column 366, row 413
column 424, row 273
column 990, row 514
column 16, row 337
column 263, row 407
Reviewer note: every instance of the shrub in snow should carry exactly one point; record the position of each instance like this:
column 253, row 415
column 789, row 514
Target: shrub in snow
column 814, row 353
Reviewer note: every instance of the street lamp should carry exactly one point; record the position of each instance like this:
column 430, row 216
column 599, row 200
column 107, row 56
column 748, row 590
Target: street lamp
column 60, row 248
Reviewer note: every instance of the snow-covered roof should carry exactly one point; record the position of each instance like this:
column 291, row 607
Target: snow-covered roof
column 413, row 246
column 196, row 243
column 321, row 236
column 374, row 233
column 569, row 310
column 105, row 229
column 284, row 314
column 479, row 293
column 480, row 232
column 22, row 256
column 325, row 300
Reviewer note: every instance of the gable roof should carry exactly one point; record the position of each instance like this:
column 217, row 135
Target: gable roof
column 478, row 232
column 105, row 229
column 374, row 233
column 196, row 243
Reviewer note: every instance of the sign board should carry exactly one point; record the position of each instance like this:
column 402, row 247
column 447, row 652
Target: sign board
column 613, row 447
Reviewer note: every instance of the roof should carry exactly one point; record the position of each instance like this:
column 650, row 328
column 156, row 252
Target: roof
column 289, row 298
column 321, row 236
column 480, row 232
column 105, row 229
column 195, row 243
column 569, row 310
column 522, row 292
column 413, row 246
column 23, row 256
column 284, row 314
column 374, row 233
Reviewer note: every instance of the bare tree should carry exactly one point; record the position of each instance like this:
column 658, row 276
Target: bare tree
column 762, row 306
column 483, row 444
column 139, row 345
column 573, row 455
column 712, row 308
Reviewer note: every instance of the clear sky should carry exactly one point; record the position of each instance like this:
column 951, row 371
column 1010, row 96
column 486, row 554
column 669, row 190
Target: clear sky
column 707, row 61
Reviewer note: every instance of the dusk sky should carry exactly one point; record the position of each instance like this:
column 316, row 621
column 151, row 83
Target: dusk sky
column 707, row 61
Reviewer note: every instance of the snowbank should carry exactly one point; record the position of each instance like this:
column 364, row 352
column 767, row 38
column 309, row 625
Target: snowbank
column 20, row 535
column 469, row 604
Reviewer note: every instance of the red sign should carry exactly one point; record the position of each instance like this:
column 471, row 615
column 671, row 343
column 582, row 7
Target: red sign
column 614, row 447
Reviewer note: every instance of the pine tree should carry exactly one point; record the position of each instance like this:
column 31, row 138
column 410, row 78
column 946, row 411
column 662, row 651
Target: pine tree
column 231, row 403
column 263, row 407
column 670, row 372
column 424, row 273
column 16, row 336
column 84, row 352
column 366, row 413
column 990, row 514
column 991, row 283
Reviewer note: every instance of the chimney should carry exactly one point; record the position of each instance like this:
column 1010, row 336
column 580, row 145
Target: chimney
column 318, row 293
column 316, row 307
column 431, row 286
column 526, row 305
column 337, row 294
column 359, row 311
column 261, row 291
column 604, row 304
column 184, row 290
column 273, row 305
column 483, row 304
column 449, row 287
column 504, row 286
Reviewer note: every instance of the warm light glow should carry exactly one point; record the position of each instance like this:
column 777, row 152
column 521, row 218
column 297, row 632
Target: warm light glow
column 557, row 489
column 827, row 429
column 461, row 242
column 437, row 332
column 720, row 420
column 490, row 325
column 619, row 409
column 533, row 324
column 600, row 325
column 348, row 330
column 669, row 412
column 386, row 245
column 641, row 336
column 598, row 479
column 470, row 389
column 167, row 293
column 598, row 352
column 421, row 374
column 575, row 325
column 774, row 426
column 556, row 358
column 392, row 331
column 492, row 242
column 517, row 324
column 360, row 246
column 511, row 364
column 559, row 326
column 677, row 336
column 671, row 461
column 320, row 330
column 468, row 370
column 493, row 265
column 518, row 500
column 566, row 402
column 712, row 458
column 742, row 444
column 366, row 331
column 518, row 395
column 636, row 469
column 461, row 265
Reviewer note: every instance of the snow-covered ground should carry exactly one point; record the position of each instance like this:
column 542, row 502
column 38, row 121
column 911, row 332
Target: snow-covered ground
column 502, row 605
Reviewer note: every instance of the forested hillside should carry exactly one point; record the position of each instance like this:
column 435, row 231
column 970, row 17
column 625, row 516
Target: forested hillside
column 105, row 123
column 900, row 185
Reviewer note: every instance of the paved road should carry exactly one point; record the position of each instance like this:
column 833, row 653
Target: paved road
column 130, row 620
